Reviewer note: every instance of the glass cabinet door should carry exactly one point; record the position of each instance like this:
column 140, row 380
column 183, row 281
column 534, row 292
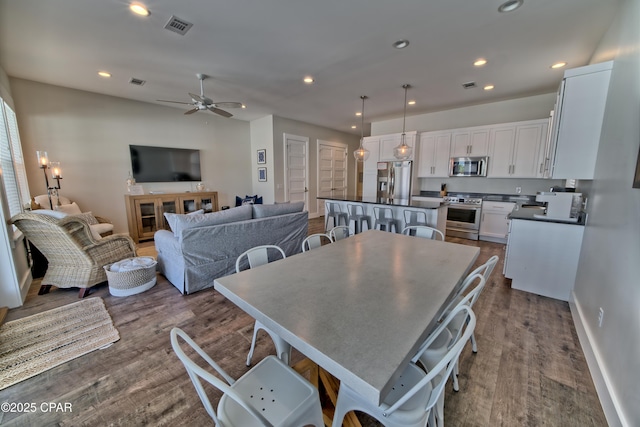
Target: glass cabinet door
column 168, row 206
column 148, row 220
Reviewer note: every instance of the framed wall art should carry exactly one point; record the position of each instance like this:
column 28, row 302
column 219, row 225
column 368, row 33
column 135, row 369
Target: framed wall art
column 262, row 157
column 262, row 174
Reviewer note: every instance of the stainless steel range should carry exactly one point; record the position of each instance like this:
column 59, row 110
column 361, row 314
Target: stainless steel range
column 463, row 217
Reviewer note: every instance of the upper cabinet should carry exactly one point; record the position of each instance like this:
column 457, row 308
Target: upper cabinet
column 470, row 142
column 389, row 142
column 433, row 160
column 516, row 150
column 577, row 122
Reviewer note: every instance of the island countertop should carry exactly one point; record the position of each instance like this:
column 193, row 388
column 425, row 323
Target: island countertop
column 530, row 215
column 386, row 201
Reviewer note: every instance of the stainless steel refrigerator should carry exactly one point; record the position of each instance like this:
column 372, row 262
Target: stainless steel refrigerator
column 394, row 180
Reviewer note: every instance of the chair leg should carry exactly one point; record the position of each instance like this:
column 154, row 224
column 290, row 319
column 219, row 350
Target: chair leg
column 83, row 292
column 44, row 289
column 253, row 344
column 454, row 376
column 474, row 346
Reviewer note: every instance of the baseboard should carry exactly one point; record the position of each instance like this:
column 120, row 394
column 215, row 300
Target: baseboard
column 606, row 394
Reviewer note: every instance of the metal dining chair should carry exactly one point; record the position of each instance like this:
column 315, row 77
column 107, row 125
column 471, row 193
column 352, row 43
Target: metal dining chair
column 335, row 213
column 255, row 257
column 269, row 394
column 357, row 215
column 315, row 241
column 340, row 232
column 424, row 232
column 412, row 399
column 414, row 217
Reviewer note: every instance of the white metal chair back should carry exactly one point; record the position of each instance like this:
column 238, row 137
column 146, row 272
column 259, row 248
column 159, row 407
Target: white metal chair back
column 315, row 241
column 292, row 401
column 334, row 211
column 357, row 215
column 423, row 231
column 411, row 401
column 384, row 217
column 258, row 256
column 340, row 232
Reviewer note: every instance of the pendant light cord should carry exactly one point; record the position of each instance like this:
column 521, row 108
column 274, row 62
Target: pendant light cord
column 404, row 116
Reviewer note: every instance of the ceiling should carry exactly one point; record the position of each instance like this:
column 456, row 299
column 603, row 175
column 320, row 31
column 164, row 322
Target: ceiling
column 258, row 51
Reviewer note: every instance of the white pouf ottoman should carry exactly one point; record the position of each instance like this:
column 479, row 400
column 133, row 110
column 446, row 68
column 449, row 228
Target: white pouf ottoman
column 131, row 276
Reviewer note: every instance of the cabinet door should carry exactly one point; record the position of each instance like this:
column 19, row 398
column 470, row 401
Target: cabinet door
column 169, row 205
column 479, row 142
column 500, row 159
column 441, row 155
column 425, row 160
column 389, row 142
column 494, row 224
column 373, row 145
column 369, row 178
column 526, row 151
column 460, row 144
column 147, row 217
column 470, row 142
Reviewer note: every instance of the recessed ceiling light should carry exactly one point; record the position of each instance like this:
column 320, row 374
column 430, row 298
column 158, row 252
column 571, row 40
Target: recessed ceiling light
column 353, row 126
column 558, row 65
column 243, row 106
column 480, row 62
column 308, row 80
column 488, row 87
column 104, row 74
column 412, row 102
column 401, row 44
column 510, row 6
column 139, row 9
column 358, row 113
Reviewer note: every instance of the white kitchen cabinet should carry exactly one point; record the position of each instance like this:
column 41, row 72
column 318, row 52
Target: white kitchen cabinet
column 389, row 142
column 516, row 150
column 577, row 122
column 494, row 223
column 542, row 257
column 470, row 142
column 433, row 159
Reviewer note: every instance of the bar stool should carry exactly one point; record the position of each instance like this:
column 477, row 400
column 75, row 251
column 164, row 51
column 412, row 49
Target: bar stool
column 414, row 217
column 334, row 212
column 384, row 217
column 356, row 214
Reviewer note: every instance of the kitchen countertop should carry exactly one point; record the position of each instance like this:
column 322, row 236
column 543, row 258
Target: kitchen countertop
column 388, row 202
column 520, row 199
column 528, row 215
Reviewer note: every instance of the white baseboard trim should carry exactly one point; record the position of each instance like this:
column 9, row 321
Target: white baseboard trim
column 608, row 399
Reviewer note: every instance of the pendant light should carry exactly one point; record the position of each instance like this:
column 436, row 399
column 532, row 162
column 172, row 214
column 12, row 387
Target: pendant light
column 361, row 154
column 403, row 151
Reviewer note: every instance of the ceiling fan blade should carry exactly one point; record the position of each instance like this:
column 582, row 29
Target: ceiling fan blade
column 191, row 111
column 219, row 111
column 228, row 104
column 196, row 97
column 175, row 102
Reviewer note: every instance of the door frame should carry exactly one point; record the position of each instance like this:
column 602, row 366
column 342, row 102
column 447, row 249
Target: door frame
column 333, row 144
column 305, row 140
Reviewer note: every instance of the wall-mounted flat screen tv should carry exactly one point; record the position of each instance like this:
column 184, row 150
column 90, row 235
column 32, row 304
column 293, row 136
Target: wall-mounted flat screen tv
column 164, row 164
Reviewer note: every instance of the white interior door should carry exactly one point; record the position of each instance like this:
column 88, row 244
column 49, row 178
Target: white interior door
column 296, row 166
column 332, row 171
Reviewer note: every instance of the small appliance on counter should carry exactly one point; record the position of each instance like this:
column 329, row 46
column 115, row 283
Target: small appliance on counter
column 561, row 206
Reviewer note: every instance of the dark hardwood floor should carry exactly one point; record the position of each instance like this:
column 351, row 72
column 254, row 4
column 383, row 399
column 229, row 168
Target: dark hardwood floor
column 529, row 370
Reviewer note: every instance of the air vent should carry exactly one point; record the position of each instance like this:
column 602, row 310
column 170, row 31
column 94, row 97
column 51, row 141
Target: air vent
column 137, row 82
column 469, row 85
column 178, row 25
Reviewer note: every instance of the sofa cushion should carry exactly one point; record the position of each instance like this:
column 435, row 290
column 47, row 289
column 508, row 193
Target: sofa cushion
column 179, row 222
column 70, row 209
column 87, row 216
column 264, row 211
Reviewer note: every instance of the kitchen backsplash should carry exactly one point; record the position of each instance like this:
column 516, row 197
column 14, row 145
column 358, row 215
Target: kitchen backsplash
column 489, row 185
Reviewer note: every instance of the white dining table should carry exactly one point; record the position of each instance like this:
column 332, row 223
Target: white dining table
column 359, row 307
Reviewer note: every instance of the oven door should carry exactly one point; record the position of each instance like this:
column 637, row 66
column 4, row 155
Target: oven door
column 464, row 217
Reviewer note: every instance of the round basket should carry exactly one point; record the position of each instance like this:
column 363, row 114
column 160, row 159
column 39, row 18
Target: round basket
column 131, row 282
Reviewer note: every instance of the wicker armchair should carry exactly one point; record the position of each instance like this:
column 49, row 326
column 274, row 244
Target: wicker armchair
column 75, row 257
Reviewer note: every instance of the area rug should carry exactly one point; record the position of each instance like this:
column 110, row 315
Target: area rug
column 34, row 344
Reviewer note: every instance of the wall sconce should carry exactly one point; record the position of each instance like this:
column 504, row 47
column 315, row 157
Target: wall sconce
column 56, row 173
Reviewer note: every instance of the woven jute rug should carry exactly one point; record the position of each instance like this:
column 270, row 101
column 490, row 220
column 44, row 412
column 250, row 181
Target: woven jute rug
column 34, row 344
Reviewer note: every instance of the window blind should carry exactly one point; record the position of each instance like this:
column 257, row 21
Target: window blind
column 13, row 170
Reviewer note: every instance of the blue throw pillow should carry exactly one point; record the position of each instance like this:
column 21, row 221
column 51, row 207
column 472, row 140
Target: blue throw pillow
column 248, row 200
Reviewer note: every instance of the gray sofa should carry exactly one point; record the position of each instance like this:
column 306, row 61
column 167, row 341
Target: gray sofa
column 203, row 247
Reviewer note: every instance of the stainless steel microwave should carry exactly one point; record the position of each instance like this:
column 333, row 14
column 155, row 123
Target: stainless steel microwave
column 468, row 166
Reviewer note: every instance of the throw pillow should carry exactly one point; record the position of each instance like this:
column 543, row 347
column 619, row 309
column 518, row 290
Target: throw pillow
column 248, row 200
column 183, row 222
column 264, row 211
column 173, row 218
column 87, row 216
column 49, row 212
column 70, row 209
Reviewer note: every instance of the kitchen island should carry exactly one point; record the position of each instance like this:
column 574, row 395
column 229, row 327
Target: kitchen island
column 435, row 211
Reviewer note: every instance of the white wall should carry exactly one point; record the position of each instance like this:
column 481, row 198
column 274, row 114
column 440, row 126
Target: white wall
column 609, row 271
column 314, row 133
column 262, row 139
column 90, row 134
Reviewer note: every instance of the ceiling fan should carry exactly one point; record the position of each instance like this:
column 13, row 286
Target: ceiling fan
column 201, row 102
